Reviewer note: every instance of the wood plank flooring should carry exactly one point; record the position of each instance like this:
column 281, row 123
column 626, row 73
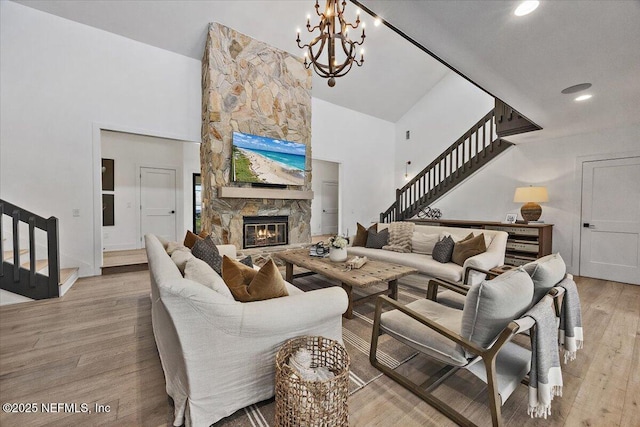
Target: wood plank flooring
column 95, row 345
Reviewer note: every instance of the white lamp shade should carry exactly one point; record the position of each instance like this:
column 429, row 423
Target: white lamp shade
column 531, row 194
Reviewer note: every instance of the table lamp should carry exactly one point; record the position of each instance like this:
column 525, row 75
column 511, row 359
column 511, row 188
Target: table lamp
column 531, row 196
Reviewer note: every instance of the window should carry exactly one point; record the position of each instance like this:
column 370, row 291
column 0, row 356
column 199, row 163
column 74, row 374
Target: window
column 197, row 202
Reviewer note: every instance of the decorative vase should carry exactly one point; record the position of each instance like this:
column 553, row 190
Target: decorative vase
column 338, row 254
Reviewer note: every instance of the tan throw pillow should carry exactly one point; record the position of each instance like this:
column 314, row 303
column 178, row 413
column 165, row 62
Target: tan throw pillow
column 180, row 258
column 468, row 247
column 362, row 233
column 400, row 234
column 246, row 284
column 423, row 243
column 175, row 246
column 190, row 239
column 201, row 272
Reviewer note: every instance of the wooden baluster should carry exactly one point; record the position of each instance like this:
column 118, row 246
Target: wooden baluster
column 16, row 246
column 484, row 139
column 32, row 252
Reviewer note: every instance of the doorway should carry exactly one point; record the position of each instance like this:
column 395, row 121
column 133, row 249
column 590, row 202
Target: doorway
column 610, row 220
column 158, row 202
column 325, row 207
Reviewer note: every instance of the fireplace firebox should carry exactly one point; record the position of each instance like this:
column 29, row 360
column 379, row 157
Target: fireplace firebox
column 259, row 231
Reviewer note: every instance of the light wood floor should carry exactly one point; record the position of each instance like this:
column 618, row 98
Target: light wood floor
column 95, row 345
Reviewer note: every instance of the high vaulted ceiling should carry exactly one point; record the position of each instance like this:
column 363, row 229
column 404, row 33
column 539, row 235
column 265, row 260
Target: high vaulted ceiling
column 524, row 61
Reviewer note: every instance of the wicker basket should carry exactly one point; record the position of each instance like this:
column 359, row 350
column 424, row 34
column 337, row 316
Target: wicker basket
column 312, row 403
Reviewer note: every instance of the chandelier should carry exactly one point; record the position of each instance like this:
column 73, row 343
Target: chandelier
column 336, row 40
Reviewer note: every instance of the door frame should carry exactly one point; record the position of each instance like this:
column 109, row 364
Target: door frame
column 179, row 201
column 577, row 224
column 340, row 187
column 96, row 149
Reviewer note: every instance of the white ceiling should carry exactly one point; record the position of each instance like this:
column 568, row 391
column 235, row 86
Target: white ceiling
column 525, row 61
column 394, row 77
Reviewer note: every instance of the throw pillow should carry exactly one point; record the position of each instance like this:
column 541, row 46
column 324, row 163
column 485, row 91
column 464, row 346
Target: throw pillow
column 376, row 240
column 443, row 250
column 400, row 234
column 470, row 246
column 361, row 234
column 190, row 238
column 199, row 271
column 247, row 284
column 180, row 258
column 206, row 250
column 175, row 246
column 492, row 304
column 246, row 261
column 545, row 272
column 164, row 242
column 423, row 243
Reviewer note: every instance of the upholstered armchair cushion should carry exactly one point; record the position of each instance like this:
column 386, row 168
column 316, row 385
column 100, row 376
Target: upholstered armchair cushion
column 492, row 304
column 545, row 272
column 423, row 338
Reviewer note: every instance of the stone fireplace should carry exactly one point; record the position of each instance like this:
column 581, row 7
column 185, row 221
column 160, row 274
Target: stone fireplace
column 261, row 231
column 251, row 87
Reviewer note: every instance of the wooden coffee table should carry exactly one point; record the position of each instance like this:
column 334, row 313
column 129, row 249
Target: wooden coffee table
column 373, row 272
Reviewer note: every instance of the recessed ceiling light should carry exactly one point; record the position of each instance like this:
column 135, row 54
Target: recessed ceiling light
column 576, row 88
column 526, row 7
column 583, row 97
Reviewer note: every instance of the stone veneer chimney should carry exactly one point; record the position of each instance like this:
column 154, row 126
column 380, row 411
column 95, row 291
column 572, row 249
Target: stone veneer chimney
column 251, row 87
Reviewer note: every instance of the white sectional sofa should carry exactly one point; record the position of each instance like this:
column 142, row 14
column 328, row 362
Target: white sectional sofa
column 428, row 267
column 218, row 354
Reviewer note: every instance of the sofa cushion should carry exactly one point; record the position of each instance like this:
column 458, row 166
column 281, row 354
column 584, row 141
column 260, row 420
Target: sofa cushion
column 423, row 263
column 180, row 258
column 492, row 304
column 377, row 240
column 191, row 238
column 362, row 233
column 247, row 284
column 246, row 261
column 470, row 246
column 206, row 250
column 443, row 250
column 400, row 234
column 423, row 338
column 423, row 243
column 201, row 272
column 461, row 235
column 545, row 272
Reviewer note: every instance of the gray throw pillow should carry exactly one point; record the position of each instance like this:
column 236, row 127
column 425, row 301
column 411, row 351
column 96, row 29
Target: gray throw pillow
column 545, row 272
column 492, row 304
column 443, row 250
column 206, row 250
column 376, row 240
column 246, row 261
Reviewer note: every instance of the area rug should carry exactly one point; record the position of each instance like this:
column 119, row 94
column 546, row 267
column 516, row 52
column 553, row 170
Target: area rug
column 356, row 334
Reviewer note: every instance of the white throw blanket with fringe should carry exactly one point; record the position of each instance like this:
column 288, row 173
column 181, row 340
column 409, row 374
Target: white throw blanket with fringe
column 570, row 334
column 545, row 377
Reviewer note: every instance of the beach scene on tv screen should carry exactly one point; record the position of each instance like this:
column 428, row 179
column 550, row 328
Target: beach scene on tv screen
column 267, row 160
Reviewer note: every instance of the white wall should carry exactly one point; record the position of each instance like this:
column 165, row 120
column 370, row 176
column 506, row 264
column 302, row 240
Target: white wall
column 488, row 195
column 442, row 116
column 130, row 152
column 58, row 79
column 364, row 146
column 321, row 171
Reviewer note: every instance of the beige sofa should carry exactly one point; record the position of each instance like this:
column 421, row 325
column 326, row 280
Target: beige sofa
column 218, row 355
column 428, row 267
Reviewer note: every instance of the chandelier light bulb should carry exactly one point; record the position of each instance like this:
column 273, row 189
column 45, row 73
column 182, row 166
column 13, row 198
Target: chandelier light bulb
column 526, row 7
column 377, row 22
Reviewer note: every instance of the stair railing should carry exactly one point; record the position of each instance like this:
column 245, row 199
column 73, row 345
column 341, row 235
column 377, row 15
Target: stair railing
column 20, row 280
column 455, row 163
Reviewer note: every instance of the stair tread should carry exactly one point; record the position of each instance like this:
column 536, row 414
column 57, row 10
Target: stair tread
column 40, row 264
column 65, row 273
column 8, row 255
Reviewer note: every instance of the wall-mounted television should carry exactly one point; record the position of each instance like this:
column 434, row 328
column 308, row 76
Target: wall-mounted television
column 259, row 159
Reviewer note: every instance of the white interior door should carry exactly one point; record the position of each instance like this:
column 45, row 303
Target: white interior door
column 610, row 237
column 329, row 200
column 158, row 202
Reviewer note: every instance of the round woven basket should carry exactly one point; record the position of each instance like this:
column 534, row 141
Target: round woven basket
column 312, row 403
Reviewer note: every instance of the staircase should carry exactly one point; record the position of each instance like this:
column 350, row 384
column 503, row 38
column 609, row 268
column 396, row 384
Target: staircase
column 477, row 147
column 32, row 278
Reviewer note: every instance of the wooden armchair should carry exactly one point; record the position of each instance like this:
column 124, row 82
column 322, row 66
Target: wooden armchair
column 482, row 332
